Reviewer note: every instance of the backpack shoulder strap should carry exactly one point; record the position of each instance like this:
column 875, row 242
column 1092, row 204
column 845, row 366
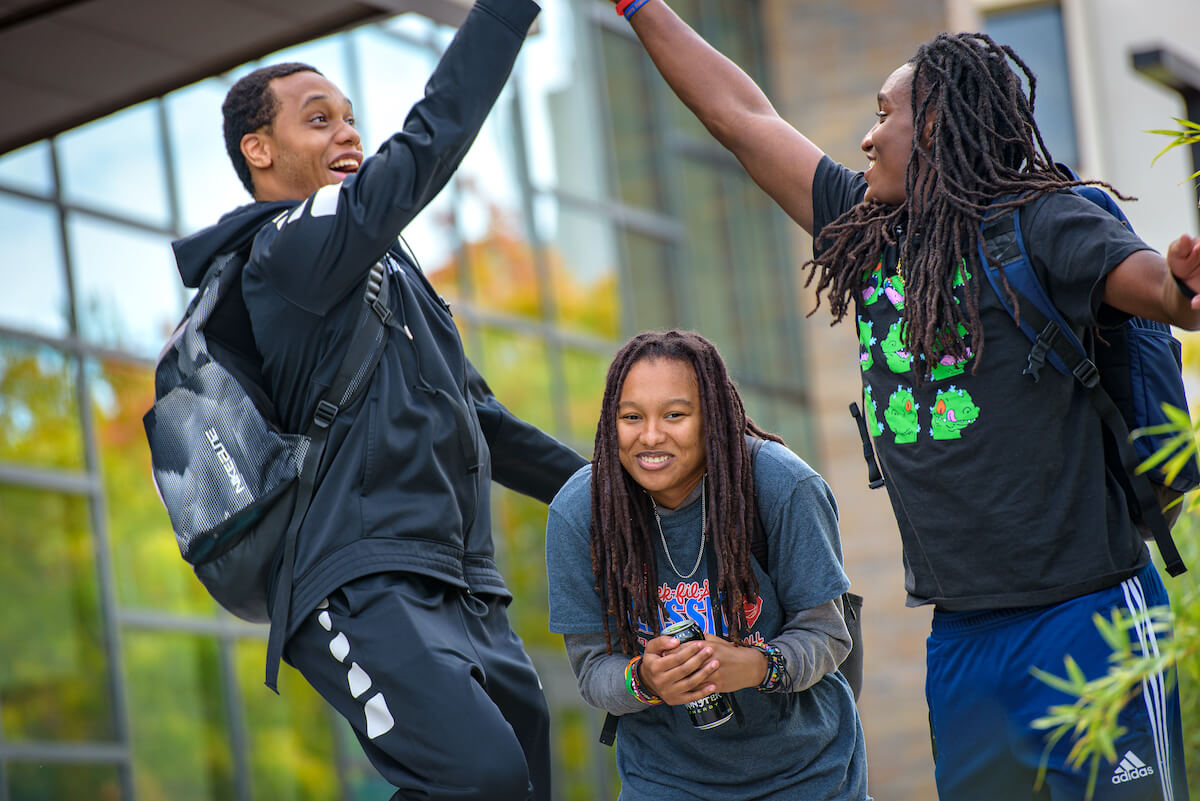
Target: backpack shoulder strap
column 1003, row 258
column 759, row 548
column 1002, row 250
column 358, row 364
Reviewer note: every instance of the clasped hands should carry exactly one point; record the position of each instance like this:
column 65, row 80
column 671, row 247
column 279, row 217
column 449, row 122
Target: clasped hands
column 682, row 672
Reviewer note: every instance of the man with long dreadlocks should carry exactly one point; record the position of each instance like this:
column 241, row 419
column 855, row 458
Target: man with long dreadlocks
column 1011, row 525
column 636, row 542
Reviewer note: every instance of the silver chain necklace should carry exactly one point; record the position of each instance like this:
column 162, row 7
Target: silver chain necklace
column 703, row 533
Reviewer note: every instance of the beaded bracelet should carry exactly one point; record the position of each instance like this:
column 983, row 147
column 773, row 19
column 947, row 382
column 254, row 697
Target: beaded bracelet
column 777, row 678
column 626, row 8
column 634, row 686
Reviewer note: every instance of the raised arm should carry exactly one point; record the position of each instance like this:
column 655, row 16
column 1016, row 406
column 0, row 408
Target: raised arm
column 343, row 228
column 1145, row 284
column 731, row 106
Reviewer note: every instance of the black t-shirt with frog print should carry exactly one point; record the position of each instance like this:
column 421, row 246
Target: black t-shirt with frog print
column 998, row 483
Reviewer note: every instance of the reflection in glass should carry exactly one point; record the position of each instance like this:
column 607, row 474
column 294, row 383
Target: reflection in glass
column 501, row 272
column 585, row 389
column 291, row 753
column 653, row 293
column 489, row 187
column 711, row 287
column 28, row 168
column 42, row 781
column 767, row 296
column 54, row 678
column 39, row 407
column 34, row 292
column 516, row 368
column 519, row 526
column 208, row 186
column 128, row 291
column 562, row 117
column 177, row 718
column 582, row 256
column 636, row 159
column 116, row 165
column 392, row 75
column 149, row 571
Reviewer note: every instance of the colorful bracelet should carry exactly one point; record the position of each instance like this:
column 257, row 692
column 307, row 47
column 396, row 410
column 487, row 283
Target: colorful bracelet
column 634, row 686
column 777, row 678
column 626, row 8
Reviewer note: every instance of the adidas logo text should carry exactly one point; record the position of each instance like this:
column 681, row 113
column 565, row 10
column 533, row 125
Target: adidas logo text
column 1131, row 769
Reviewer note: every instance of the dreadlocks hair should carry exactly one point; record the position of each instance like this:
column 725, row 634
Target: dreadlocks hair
column 250, row 105
column 622, row 533
column 976, row 150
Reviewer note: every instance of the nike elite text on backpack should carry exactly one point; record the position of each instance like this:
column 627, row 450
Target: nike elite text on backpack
column 1130, row 373
column 236, row 487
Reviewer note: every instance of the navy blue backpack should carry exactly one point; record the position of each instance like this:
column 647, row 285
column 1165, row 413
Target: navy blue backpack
column 1130, row 371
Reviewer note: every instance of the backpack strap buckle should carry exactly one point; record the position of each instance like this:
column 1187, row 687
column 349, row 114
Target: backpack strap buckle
column 1087, row 373
column 1041, row 347
column 381, row 311
column 323, row 416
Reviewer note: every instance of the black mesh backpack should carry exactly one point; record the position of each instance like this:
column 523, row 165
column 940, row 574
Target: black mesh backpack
column 235, row 485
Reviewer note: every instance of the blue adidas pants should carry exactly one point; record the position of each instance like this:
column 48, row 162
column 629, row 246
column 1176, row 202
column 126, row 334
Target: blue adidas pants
column 982, row 699
column 436, row 685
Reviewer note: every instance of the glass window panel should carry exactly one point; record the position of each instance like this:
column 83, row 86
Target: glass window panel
column 291, row 745
column 54, row 677
column 517, row 369
column 767, row 295
column 636, row 160
column 41, row 781
column 208, row 185
column 35, row 292
column 566, row 129
column 653, row 292
column 502, row 274
column 393, row 75
column 711, row 283
column 28, row 168
column 116, row 164
column 177, row 717
column 150, row 573
column 731, row 28
column 328, row 55
column 1036, row 33
column 39, row 407
column 585, row 372
column 582, row 257
column 519, row 528
column 128, row 292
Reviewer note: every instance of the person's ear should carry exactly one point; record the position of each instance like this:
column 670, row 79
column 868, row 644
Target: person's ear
column 256, row 149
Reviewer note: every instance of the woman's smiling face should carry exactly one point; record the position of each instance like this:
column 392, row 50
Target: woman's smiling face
column 660, row 429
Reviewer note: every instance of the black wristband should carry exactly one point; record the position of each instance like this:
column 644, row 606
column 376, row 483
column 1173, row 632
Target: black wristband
column 1184, row 289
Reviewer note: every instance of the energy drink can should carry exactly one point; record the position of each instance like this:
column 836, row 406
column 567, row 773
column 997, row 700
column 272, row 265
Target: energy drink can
column 710, row 712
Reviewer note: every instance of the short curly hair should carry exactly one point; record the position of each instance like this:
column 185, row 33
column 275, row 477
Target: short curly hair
column 250, row 105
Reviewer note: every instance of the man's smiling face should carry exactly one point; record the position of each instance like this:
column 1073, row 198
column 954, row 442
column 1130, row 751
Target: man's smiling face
column 311, row 142
column 888, row 144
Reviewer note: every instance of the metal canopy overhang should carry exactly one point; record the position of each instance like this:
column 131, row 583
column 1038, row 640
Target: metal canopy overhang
column 67, row 62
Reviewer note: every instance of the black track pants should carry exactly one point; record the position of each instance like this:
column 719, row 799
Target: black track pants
column 436, row 685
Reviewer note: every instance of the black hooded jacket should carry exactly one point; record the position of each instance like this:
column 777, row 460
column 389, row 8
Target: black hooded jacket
column 404, row 482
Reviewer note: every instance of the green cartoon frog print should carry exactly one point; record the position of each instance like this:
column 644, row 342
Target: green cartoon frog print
column 953, row 410
column 901, row 415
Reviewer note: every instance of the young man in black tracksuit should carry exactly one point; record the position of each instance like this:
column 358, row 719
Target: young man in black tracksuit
column 397, row 608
